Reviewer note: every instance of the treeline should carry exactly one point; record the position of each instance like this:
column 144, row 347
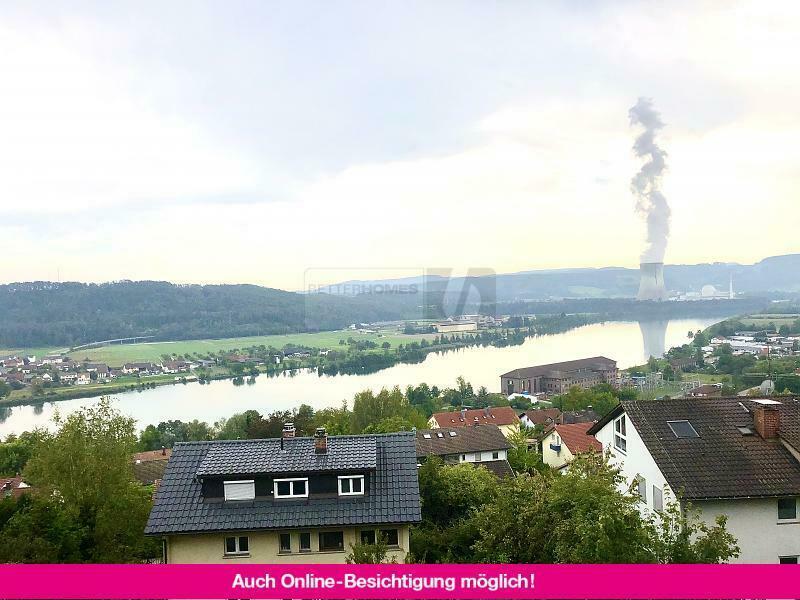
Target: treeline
column 69, row 314
column 581, row 516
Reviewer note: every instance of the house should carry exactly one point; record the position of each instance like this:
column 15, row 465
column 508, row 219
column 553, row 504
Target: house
column 140, row 368
column 563, row 443
column 149, row 466
column 706, row 391
column 738, row 457
column 455, row 326
column 557, row 378
column 503, row 416
column 13, row 487
column 586, row 415
column 286, row 500
column 175, row 366
column 68, row 377
column 546, row 417
column 83, row 378
column 100, row 368
column 484, row 445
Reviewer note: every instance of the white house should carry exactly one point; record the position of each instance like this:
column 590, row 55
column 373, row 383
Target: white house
column 563, row 443
column 726, row 456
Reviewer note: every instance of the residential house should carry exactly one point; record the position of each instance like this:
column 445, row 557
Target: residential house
column 142, row 368
column 557, row 378
column 706, row 391
column 13, row 487
column 175, row 366
column 481, row 446
column 503, row 416
column 738, row 457
column 149, row 466
column 101, row 369
column 83, row 378
column 563, row 443
column 68, row 377
column 286, row 500
column 545, row 417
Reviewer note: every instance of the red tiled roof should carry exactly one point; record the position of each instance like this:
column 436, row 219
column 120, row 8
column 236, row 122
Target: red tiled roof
column 576, row 439
column 152, row 455
column 500, row 415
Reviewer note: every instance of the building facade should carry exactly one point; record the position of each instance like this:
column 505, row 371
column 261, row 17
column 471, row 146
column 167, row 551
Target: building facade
column 286, row 500
column 481, row 446
column 557, row 378
column 726, row 456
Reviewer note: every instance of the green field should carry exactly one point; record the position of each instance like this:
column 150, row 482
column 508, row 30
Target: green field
column 763, row 321
column 119, row 354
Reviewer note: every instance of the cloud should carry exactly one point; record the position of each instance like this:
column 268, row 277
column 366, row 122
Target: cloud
column 76, row 137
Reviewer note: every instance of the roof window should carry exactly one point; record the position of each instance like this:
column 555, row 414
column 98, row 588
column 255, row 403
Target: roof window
column 683, row 429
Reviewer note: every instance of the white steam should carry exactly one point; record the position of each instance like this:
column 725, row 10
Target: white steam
column 650, row 202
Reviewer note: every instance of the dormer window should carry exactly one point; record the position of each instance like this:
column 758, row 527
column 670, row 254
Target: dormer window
column 240, row 490
column 351, row 485
column 296, row 487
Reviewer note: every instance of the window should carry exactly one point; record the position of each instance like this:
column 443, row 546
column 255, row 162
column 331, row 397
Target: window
column 658, row 499
column 453, row 434
column 787, row 560
column 351, row 485
column 237, row 545
column 620, row 435
column 427, row 436
column 641, row 484
column 285, row 543
column 240, row 490
column 291, row 488
column 390, row 536
column 478, row 457
column 331, row 541
column 787, row 509
column 683, row 429
column 368, row 536
column 495, row 455
column 305, row 541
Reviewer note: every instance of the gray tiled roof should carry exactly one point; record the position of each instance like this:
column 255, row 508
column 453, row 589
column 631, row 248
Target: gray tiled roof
column 721, row 462
column 466, row 439
column 249, row 457
column 561, row 369
column 393, row 495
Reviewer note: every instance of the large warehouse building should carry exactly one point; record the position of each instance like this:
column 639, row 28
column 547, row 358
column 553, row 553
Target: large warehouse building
column 557, row 378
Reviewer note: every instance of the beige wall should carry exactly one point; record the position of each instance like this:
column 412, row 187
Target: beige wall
column 209, row 547
column 550, row 456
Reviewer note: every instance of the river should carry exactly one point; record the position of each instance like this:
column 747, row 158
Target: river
column 628, row 342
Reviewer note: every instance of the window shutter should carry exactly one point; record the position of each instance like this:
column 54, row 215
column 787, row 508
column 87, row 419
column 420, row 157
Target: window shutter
column 240, row 490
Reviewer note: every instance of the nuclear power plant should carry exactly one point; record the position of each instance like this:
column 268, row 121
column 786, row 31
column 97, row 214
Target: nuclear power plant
column 651, row 282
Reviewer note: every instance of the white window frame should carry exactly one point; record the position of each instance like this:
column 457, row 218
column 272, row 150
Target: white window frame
column 237, row 552
column 239, row 482
column 291, row 481
column 351, row 478
column 620, row 434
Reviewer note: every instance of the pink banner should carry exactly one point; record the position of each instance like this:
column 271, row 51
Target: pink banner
column 399, row 581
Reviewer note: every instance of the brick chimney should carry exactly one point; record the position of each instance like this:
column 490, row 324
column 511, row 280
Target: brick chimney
column 767, row 421
column 288, row 430
column 320, row 441
column 476, row 422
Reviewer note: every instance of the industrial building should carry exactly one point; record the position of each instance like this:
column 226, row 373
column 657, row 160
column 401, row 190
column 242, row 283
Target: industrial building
column 557, row 378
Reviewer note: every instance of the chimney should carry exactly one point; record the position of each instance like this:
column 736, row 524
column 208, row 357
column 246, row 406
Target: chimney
column 288, row 430
column 463, row 414
column 476, row 422
column 486, row 412
column 767, row 420
column 163, row 451
column 320, row 441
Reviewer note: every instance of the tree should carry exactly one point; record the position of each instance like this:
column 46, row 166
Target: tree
column 86, row 465
column 682, row 538
column 555, row 519
column 370, row 554
column 522, row 458
column 370, row 409
column 5, row 389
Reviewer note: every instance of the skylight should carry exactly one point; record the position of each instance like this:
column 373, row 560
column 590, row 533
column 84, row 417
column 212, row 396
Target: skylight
column 427, row 436
column 682, row 429
column 440, row 435
column 452, row 434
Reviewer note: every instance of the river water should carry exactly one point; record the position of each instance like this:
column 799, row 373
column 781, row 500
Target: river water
column 628, row 342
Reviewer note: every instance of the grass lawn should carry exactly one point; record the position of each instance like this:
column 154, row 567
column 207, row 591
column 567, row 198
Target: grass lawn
column 117, row 355
column 763, row 321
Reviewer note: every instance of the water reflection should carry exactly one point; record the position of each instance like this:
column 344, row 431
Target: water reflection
column 629, row 343
column 654, row 337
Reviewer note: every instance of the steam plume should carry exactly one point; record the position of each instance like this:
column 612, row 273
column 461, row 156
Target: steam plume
column 650, row 202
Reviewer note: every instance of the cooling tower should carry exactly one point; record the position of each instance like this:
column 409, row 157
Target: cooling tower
column 651, row 284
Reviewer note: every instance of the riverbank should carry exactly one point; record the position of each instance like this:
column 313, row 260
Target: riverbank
column 414, row 348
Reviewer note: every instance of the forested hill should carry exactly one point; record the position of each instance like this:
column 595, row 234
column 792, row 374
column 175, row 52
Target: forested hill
column 68, row 314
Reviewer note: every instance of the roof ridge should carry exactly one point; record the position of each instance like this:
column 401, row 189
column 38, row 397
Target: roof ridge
column 299, row 437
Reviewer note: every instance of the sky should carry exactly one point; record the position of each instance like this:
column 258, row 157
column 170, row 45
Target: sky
column 280, row 143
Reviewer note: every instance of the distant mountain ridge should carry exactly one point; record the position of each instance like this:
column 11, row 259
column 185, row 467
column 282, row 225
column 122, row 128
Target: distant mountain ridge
column 773, row 274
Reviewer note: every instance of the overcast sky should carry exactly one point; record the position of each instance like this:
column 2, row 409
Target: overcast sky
column 252, row 141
